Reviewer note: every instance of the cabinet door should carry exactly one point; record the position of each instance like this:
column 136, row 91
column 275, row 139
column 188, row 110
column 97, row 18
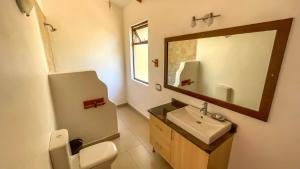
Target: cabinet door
column 160, row 138
column 186, row 155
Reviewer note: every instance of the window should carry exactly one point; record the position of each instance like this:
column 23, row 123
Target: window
column 140, row 52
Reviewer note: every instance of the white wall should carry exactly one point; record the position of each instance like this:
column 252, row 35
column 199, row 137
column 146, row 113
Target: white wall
column 26, row 109
column 89, row 36
column 257, row 145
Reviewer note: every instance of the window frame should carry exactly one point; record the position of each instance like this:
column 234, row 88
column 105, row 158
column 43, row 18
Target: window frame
column 133, row 44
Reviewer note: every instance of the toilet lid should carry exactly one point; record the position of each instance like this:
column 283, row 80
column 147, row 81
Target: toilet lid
column 96, row 154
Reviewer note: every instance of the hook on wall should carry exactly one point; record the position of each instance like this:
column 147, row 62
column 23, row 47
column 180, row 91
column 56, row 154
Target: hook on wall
column 52, row 28
column 208, row 19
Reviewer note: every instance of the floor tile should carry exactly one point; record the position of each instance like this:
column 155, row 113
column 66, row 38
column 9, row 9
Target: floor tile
column 135, row 150
column 127, row 140
column 144, row 159
column 124, row 161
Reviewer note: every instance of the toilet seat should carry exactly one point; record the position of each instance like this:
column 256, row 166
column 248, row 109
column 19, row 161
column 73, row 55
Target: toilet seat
column 97, row 154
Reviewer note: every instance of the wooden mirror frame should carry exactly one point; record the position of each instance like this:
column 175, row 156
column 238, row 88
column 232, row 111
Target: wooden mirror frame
column 283, row 29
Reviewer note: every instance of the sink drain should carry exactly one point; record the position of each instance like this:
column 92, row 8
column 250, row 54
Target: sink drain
column 199, row 122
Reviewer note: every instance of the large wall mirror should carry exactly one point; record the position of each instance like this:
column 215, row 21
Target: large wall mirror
column 236, row 68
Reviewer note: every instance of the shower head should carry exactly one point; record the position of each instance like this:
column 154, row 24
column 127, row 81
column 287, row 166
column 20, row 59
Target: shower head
column 52, row 28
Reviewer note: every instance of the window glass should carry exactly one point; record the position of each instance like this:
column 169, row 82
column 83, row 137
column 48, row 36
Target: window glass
column 140, row 52
column 141, row 62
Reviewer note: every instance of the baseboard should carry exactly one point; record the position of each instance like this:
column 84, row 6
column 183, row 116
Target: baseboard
column 109, row 138
column 123, row 104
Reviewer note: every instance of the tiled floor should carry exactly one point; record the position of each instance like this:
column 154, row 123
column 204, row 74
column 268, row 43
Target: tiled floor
column 135, row 151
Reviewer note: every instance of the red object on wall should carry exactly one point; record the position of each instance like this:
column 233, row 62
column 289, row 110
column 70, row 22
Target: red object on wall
column 93, row 103
column 186, row 82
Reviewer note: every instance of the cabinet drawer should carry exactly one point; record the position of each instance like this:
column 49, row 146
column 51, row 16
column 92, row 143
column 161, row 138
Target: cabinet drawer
column 159, row 129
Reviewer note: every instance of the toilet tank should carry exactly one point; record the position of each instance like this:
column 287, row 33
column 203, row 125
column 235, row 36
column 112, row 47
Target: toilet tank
column 60, row 150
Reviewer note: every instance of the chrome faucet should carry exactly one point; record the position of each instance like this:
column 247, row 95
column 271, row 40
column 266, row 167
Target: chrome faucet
column 204, row 109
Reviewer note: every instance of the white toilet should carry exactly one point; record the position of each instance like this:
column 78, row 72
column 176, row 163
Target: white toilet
column 98, row 156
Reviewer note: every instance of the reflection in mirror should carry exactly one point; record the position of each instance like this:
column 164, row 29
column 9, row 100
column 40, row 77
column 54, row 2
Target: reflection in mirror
column 229, row 68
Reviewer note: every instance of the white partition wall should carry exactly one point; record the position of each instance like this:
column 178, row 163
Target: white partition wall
column 69, row 91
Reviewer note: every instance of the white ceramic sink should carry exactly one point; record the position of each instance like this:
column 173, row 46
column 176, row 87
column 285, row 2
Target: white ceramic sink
column 201, row 126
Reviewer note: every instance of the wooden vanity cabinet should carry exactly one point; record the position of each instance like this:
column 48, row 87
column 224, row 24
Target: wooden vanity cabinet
column 180, row 153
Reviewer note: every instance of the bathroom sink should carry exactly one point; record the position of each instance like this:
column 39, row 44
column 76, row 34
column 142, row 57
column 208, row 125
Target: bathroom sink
column 199, row 125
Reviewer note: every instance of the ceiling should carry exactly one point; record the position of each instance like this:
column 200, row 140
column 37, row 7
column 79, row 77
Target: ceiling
column 121, row 3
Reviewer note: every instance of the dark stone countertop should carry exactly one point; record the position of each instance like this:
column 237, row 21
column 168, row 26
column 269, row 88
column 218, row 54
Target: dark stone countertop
column 160, row 112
